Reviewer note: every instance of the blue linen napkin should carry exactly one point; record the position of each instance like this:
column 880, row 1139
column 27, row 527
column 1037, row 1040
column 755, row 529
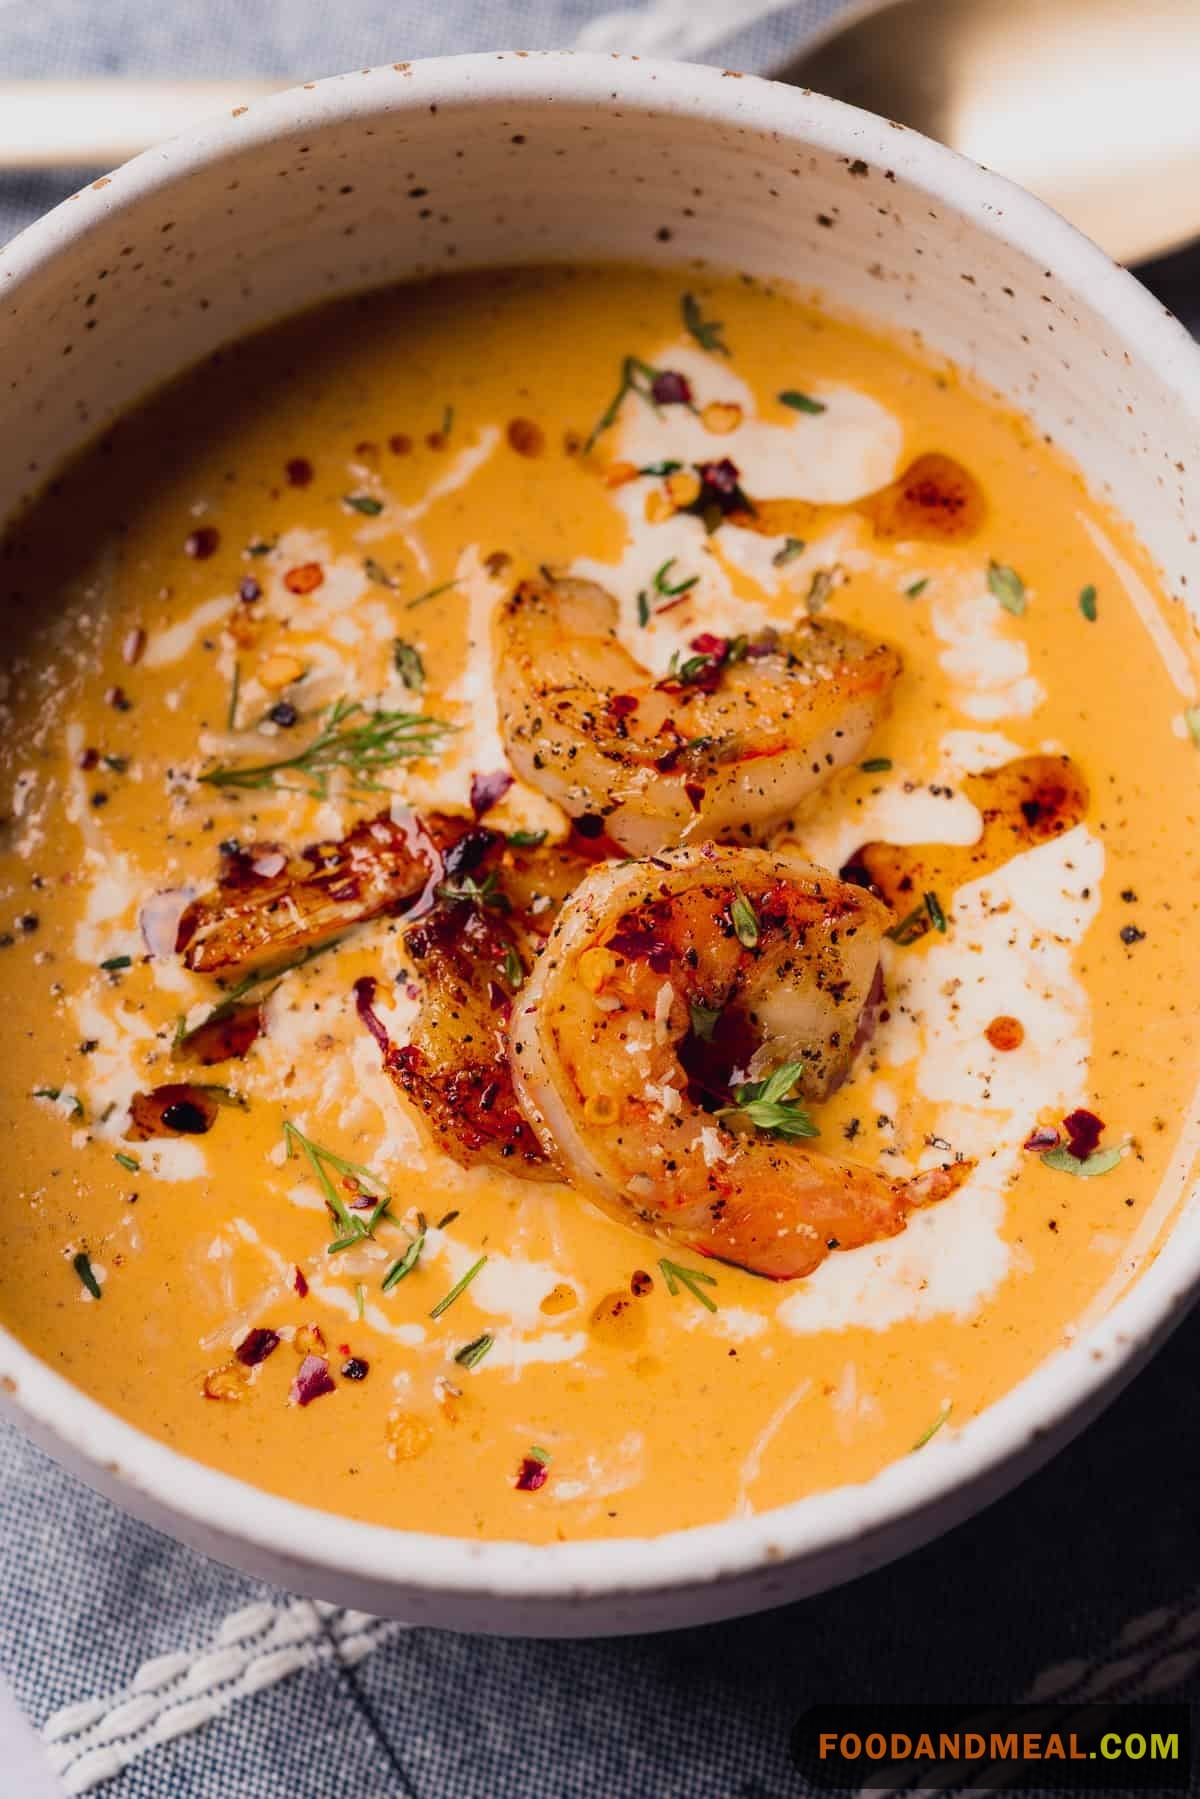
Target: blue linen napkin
column 153, row 1673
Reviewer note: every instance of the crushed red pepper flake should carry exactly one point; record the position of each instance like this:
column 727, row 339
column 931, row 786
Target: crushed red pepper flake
column 256, row 1346
column 1083, row 1130
column 531, row 1475
column 312, row 1380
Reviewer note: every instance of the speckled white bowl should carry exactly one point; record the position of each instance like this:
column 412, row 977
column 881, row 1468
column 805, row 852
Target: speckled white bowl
column 411, row 169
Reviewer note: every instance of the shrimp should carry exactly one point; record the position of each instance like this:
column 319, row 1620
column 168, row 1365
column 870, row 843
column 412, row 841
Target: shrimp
column 724, row 748
column 665, row 986
column 268, row 904
column 492, row 912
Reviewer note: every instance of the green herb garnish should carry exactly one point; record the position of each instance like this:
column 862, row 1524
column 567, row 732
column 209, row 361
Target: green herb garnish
column 933, row 1428
column 130, row 1163
column 406, row 660
column 1008, row 587
column 113, row 963
column 350, row 737
column 471, row 1354
column 55, row 1094
column 447, row 421
column 538, row 1454
column 360, row 1300
column 694, row 1279
column 235, row 688
column 937, row 916
column 1191, row 718
column 790, row 549
column 704, row 1019
column 476, row 893
column 117, row 765
column 457, row 1289
column 769, row 1106
column 916, row 588
column 355, row 1228
column 744, row 920
column 637, row 377
column 643, row 607
column 408, row 1261
column 707, row 332
column 820, row 587
column 1101, row 1161
column 801, row 402
column 663, row 586
column 514, row 968
column 660, row 468
column 87, row 1274
column 375, row 571
column 259, row 548
column 366, row 503
column 914, row 924
column 527, row 840
column 431, row 593
column 877, row 765
column 1087, row 602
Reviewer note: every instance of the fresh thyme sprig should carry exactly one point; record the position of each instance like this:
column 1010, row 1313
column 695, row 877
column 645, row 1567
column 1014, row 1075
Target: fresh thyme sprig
column 352, row 737
column 355, row 1228
column 770, row 1106
column 476, row 893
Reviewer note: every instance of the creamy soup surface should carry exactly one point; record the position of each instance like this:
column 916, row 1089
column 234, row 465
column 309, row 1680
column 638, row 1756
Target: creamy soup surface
column 249, row 1208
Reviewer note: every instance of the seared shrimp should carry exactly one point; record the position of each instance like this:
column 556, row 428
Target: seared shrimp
column 268, row 904
column 669, row 984
column 493, row 909
column 726, row 748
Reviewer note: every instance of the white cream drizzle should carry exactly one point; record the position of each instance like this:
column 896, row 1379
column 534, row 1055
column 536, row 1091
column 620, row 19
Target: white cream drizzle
column 837, row 455
column 1009, row 947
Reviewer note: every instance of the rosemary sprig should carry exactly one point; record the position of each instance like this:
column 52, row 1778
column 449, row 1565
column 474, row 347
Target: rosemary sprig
column 769, row 1106
column 405, row 1264
column 637, row 377
column 350, row 737
column 694, row 1279
column 457, row 1289
column 355, row 1228
column 431, row 593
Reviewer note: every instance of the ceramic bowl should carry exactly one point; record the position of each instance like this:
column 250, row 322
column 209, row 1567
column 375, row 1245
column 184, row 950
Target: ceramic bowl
column 408, row 170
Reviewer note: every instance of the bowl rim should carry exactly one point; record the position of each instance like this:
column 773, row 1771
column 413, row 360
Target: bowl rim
column 1067, row 1386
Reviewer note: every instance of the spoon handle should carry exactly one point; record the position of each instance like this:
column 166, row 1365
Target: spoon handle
column 100, row 123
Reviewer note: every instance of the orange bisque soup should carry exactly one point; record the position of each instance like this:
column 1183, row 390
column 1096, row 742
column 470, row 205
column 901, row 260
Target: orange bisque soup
column 599, row 869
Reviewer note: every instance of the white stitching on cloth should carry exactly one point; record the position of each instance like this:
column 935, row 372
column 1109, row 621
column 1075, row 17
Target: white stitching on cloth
column 171, row 1695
